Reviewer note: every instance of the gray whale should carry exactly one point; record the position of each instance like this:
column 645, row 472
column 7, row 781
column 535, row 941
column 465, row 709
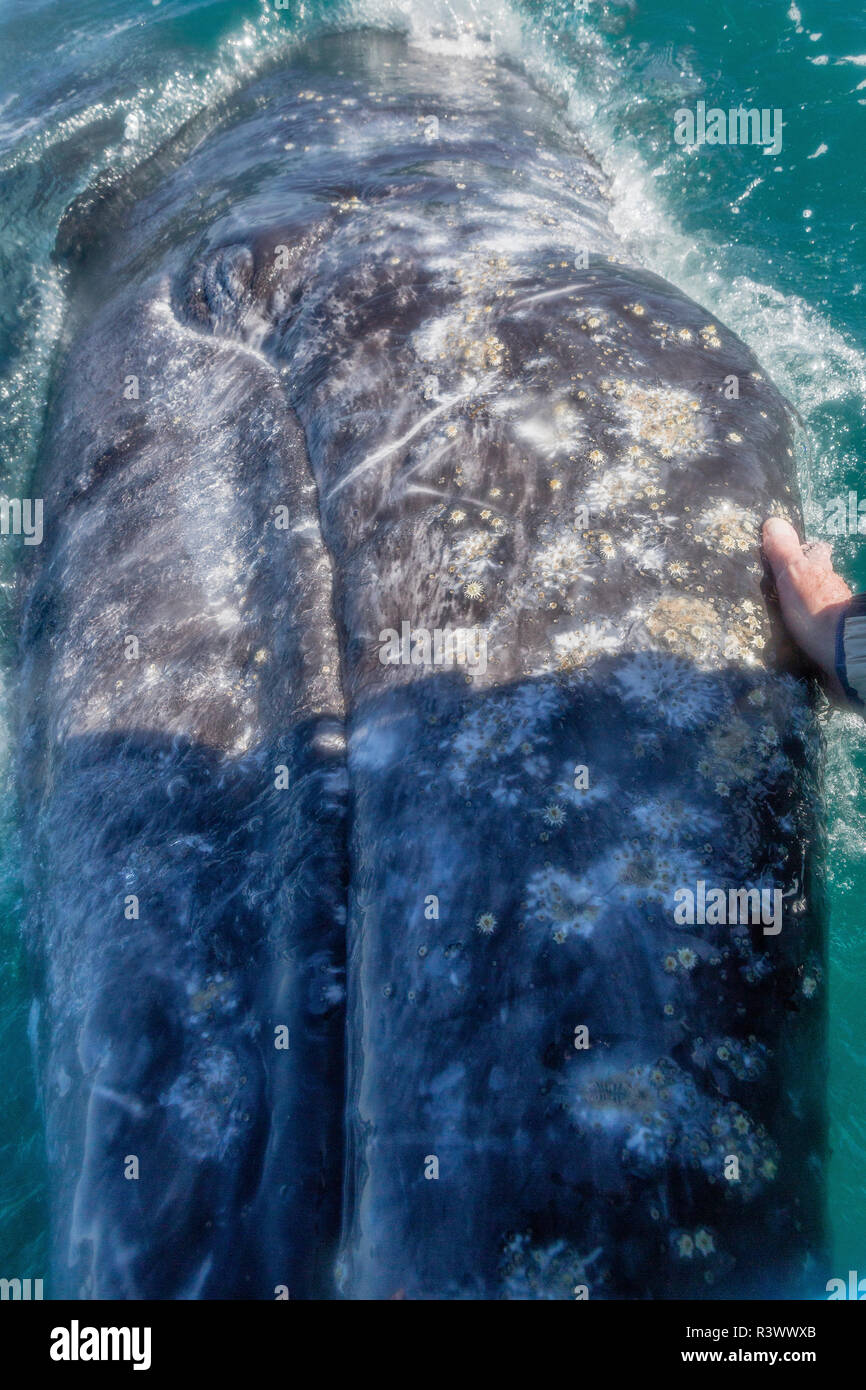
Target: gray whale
column 363, row 356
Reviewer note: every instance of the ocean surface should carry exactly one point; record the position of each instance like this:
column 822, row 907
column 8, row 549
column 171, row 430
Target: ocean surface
column 775, row 245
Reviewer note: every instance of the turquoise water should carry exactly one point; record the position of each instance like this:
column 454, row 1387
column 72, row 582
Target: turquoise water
column 772, row 244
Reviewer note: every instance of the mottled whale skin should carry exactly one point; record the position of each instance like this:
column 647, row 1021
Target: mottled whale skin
column 360, row 296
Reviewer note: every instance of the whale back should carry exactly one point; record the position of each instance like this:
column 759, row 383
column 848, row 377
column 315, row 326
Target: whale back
column 398, row 377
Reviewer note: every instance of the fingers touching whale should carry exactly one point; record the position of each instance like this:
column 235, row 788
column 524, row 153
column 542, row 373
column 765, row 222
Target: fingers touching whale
column 397, row 671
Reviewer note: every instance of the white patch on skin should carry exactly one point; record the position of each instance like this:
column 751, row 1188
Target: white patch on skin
column 561, row 560
column 659, row 1116
column 565, row 790
column 198, row 1097
column 497, row 745
column 670, row 820
column 565, row 904
column 652, row 871
column 727, row 527
column 683, row 697
column 376, row 744
column 615, row 1099
column 444, row 1101
column 663, row 418
column 551, row 1272
column 552, row 432
column 648, row 559
column 616, row 487
column 578, row 648
column 654, row 858
column 470, row 554
column 499, row 728
column 686, row 626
